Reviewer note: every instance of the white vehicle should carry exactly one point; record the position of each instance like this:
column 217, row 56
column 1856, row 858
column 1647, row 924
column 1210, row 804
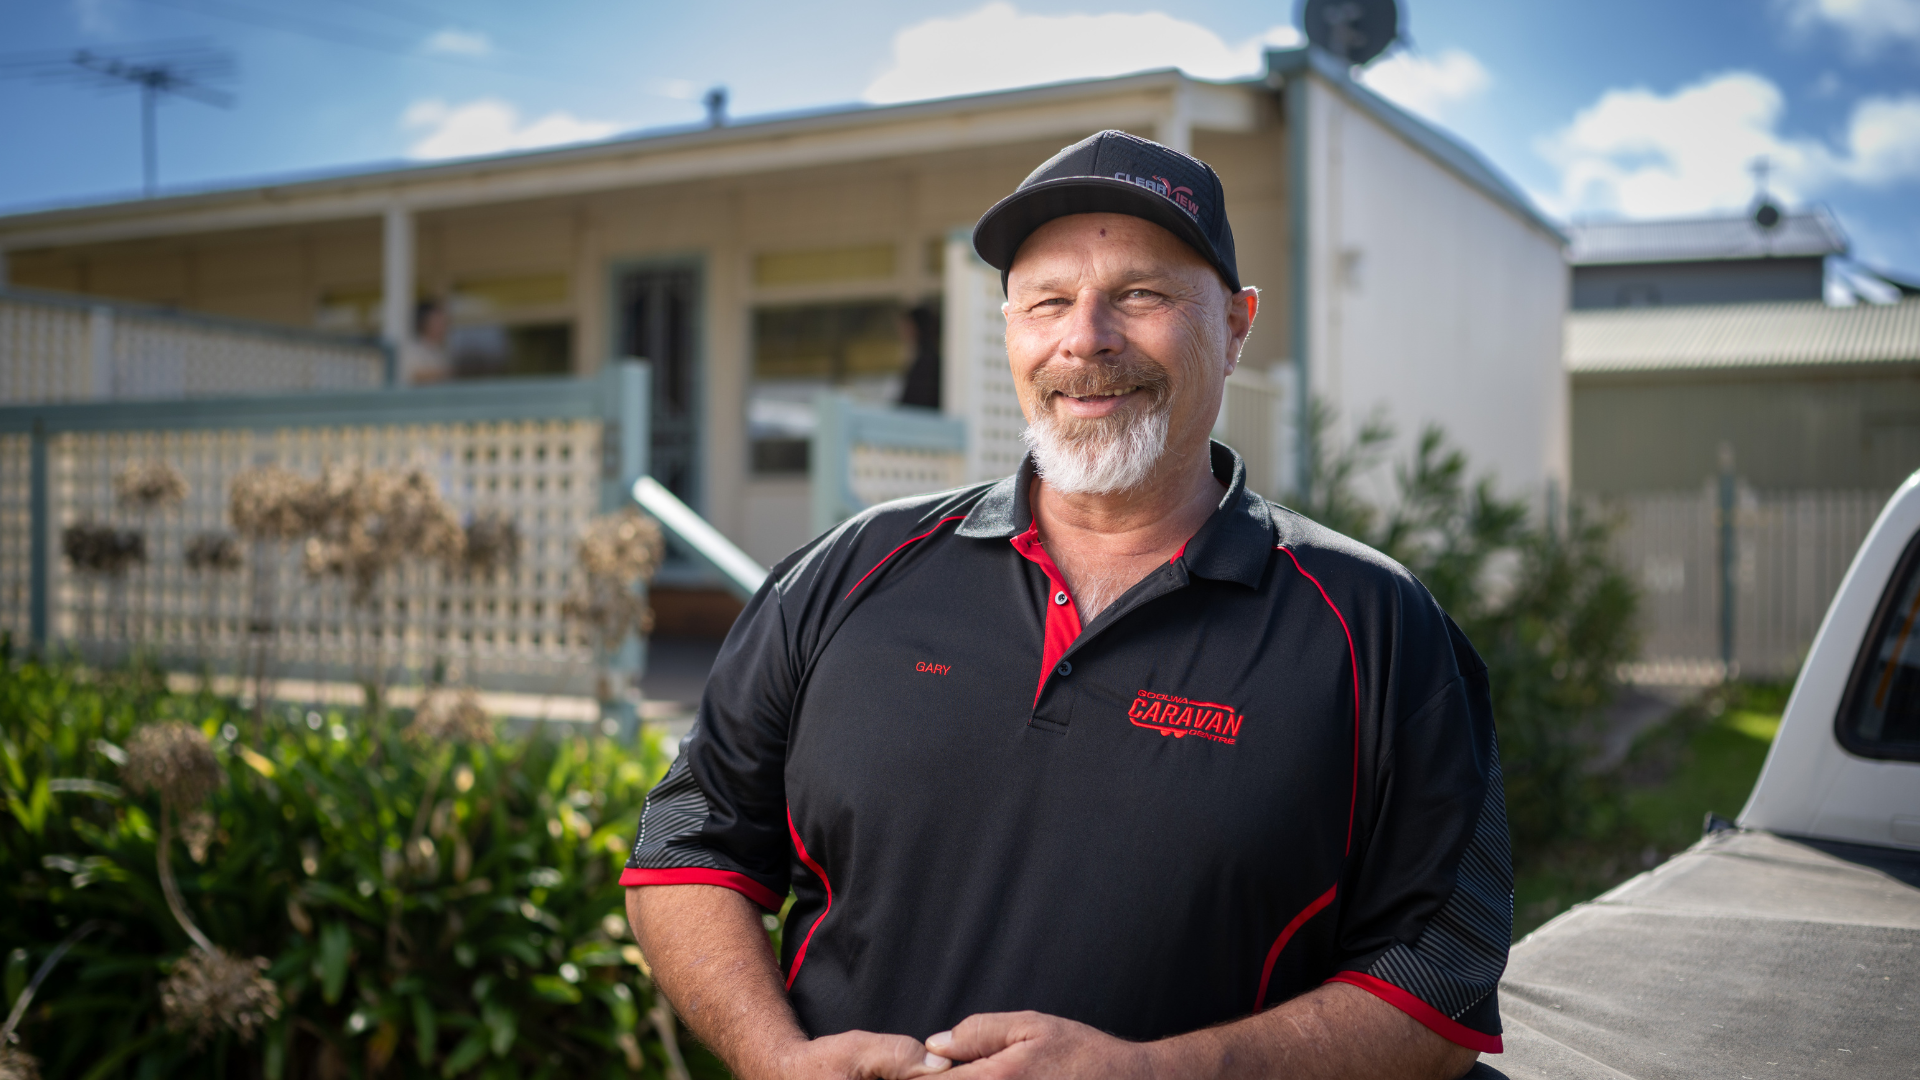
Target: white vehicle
column 1786, row 943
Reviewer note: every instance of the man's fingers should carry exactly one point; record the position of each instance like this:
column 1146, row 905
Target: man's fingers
column 896, row 1057
column 981, row 1035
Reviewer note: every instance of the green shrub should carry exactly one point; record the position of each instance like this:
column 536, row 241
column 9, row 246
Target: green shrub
column 1540, row 599
column 426, row 906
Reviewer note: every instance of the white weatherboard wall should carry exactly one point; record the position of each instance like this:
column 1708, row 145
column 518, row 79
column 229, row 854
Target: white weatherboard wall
column 1430, row 300
column 976, row 380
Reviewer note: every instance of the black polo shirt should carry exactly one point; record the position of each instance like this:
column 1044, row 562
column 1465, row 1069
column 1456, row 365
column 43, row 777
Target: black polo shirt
column 1269, row 764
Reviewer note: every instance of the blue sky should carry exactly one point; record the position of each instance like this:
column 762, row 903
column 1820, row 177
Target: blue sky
column 1627, row 108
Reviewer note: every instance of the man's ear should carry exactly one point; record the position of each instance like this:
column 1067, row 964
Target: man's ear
column 1242, row 308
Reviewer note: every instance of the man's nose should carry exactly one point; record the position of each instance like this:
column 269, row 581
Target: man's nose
column 1093, row 330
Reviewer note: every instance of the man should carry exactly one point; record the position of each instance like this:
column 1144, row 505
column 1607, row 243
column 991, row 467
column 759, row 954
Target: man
column 1108, row 769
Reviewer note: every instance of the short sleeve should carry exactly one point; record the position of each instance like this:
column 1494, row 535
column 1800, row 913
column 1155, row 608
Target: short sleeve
column 1430, row 914
column 719, row 815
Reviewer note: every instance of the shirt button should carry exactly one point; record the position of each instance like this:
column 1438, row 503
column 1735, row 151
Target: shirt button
column 1060, row 597
column 1065, row 668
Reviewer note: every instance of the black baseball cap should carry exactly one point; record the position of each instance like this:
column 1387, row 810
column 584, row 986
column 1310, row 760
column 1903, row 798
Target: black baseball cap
column 1112, row 172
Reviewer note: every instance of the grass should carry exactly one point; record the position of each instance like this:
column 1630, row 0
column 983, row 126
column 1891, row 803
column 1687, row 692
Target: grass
column 1704, row 759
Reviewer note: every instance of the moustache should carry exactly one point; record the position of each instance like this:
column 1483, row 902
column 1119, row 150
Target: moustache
column 1112, row 377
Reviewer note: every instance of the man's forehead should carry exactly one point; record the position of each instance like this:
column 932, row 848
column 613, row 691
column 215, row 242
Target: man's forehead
column 1117, row 244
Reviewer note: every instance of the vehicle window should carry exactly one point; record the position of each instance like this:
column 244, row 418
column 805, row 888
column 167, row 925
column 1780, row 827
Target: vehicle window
column 1880, row 716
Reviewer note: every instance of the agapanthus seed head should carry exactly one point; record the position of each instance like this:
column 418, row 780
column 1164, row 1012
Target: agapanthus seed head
column 447, row 715
column 17, row 1064
column 149, row 485
column 266, row 503
column 207, row 991
column 493, row 542
column 213, row 552
column 623, row 547
column 174, row 760
column 102, row 549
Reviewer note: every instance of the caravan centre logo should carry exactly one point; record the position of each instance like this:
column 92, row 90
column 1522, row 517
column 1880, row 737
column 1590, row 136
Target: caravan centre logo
column 1181, row 717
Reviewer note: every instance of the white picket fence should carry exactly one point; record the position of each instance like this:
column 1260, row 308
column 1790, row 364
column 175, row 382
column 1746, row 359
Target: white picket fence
column 1791, row 548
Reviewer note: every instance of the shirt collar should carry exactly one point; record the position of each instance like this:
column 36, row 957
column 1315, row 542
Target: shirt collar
column 1233, row 544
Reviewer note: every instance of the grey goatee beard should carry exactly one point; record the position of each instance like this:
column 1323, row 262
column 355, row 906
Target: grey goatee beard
column 1111, row 454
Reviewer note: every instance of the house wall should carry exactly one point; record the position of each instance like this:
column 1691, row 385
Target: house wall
column 1855, row 428
column 1430, row 302
column 1721, row 281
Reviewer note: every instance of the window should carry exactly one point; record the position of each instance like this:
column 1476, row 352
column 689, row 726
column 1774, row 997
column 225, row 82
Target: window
column 1880, row 715
column 859, row 348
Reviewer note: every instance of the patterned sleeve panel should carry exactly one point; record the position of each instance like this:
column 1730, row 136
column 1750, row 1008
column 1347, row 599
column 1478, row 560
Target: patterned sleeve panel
column 670, row 849
column 1428, row 922
column 719, row 815
column 1446, row 977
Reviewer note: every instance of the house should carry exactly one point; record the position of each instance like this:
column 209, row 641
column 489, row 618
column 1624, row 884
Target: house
column 760, row 263
column 1690, row 340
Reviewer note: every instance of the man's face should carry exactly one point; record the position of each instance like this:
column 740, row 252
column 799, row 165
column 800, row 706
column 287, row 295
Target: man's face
column 1120, row 338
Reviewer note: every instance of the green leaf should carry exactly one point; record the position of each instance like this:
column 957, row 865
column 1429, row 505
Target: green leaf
column 500, row 1026
column 556, row 989
column 335, row 945
column 426, row 1033
column 464, row 1056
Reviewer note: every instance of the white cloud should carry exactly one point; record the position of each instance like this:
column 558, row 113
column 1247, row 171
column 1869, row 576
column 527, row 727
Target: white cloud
column 997, row 47
column 1870, row 23
column 1424, row 85
column 490, row 126
column 1643, row 154
column 456, row 42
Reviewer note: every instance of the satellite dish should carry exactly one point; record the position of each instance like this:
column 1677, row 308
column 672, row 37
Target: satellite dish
column 1767, row 214
column 1353, row 30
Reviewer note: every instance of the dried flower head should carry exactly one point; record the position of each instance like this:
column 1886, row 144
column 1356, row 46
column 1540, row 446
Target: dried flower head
column 17, row 1064
column 623, row 547
column 609, row 610
column 102, row 549
column 265, row 503
column 213, row 552
column 493, row 542
column 173, row 759
column 148, row 485
column 450, row 716
column 365, row 521
column 197, row 830
column 207, row 991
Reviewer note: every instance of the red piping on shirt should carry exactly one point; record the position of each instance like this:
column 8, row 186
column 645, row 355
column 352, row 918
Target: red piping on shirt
column 1308, row 912
column 896, row 551
column 1353, row 660
column 1436, row 1021
column 1063, row 620
column 801, row 850
column 698, row 875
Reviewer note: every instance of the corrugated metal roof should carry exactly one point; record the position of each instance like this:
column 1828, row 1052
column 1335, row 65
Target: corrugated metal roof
column 1692, row 239
column 1729, row 336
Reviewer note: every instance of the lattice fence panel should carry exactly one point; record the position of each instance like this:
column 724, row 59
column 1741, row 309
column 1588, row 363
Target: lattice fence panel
column 44, row 353
column 499, row 630
column 881, row 473
column 153, row 357
column 16, row 535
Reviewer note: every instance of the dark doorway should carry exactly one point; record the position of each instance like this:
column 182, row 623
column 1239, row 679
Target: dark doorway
column 658, row 309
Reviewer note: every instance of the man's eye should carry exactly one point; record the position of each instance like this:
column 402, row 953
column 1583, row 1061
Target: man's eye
column 1140, row 294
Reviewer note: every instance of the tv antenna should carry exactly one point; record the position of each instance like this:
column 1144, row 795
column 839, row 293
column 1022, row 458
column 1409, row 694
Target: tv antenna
column 183, row 69
column 1766, row 212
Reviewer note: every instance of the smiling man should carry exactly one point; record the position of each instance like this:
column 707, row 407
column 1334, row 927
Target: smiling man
column 1110, row 768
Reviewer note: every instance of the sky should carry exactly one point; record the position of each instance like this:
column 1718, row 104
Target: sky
column 1629, row 108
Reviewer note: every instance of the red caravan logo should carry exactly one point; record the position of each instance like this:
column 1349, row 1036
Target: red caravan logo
column 1181, row 717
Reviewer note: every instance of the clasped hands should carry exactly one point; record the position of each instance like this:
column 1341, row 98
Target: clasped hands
column 987, row 1046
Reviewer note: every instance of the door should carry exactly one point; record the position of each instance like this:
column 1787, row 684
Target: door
column 658, row 309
